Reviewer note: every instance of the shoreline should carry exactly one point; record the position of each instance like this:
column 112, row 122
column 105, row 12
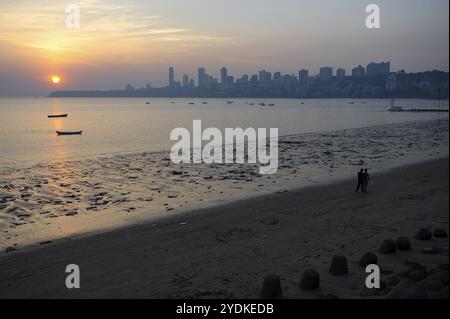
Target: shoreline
column 243, row 241
column 50, row 202
column 6, row 167
column 197, row 209
column 240, row 98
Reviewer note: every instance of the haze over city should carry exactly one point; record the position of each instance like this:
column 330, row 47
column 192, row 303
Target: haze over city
column 122, row 42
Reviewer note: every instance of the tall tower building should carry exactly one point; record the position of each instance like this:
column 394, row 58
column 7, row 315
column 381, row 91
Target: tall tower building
column 171, row 76
column 340, row 74
column 224, row 77
column 201, row 77
column 326, row 73
column 303, row 76
column 185, row 80
column 264, row 76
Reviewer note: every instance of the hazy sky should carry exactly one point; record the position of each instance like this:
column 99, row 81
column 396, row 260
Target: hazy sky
column 124, row 41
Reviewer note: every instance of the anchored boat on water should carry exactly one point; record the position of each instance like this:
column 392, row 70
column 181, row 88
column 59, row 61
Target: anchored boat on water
column 57, row 115
column 69, row 132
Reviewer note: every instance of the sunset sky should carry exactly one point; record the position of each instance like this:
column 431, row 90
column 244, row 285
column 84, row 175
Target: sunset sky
column 122, row 41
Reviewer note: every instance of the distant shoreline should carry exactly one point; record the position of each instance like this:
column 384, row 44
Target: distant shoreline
column 219, row 98
column 104, row 94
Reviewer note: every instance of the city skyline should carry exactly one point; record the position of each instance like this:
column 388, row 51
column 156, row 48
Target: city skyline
column 375, row 80
column 139, row 40
column 224, row 79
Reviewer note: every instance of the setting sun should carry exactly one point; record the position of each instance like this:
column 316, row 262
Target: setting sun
column 55, row 79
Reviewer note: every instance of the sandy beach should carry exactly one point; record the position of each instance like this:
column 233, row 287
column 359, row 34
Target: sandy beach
column 227, row 250
column 46, row 202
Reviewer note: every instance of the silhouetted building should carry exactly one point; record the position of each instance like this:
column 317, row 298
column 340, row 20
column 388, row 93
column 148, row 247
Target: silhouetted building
column 176, row 85
column 171, row 76
column 201, row 77
column 303, row 76
column 340, row 74
column 230, row 81
column 243, row 79
column 391, row 82
column 264, row 76
column 383, row 68
column 277, row 76
column 185, row 81
column 326, row 73
column 224, row 77
column 359, row 72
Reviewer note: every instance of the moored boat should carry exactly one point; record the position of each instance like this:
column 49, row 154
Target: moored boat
column 69, row 132
column 396, row 109
column 57, row 115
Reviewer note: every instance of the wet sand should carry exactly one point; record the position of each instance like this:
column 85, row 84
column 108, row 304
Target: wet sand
column 51, row 201
column 226, row 251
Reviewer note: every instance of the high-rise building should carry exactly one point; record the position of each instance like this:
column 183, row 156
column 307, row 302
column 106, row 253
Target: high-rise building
column 264, row 76
column 201, row 77
column 171, row 76
column 224, row 77
column 277, row 76
column 303, row 76
column 383, row 68
column 230, row 81
column 191, row 83
column 359, row 72
column 340, row 74
column 326, row 73
column 242, row 80
column 391, row 82
column 185, row 80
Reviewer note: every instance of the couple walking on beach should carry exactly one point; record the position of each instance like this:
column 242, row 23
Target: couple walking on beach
column 363, row 180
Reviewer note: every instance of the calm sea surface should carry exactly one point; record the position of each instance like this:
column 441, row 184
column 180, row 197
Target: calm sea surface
column 128, row 125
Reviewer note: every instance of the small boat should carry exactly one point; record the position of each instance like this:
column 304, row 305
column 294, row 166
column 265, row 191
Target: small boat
column 69, row 132
column 271, row 104
column 204, row 102
column 191, row 103
column 351, row 103
column 262, row 104
column 230, row 102
column 56, row 115
column 395, row 109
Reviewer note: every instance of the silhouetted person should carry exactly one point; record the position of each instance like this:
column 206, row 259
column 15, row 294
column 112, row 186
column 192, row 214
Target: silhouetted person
column 365, row 180
column 360, row 180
